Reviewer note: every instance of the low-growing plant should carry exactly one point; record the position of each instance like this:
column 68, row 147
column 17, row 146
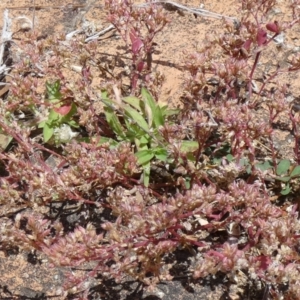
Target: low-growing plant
column 284, row 172
column 138, row 27
column 60, row 117
column 140, row 122
column 145, row 180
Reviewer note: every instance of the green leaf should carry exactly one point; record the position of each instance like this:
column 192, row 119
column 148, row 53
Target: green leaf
column 191, row 157
column 264, row 166
column 161, row 154
column 187, row 182
column 148, row 99
column 156, row 113
column 133, row 101
column 286, row 190
column 42, row 124
column 295, row 172
column 104, row 95
column 73, row 124
column 111, row 117
column 144, row 156
column 133, row 130
column 283, row 167
column 54, row 118
column 107, row 102
column 144, row 140
column 248, row 169
column 135, row 115
column 53, row 90
column 158, row 118
column 229, row 157
column 189, row 146
column 139, row 145
column 146, row 175
column 142, row 143
column 113, row 122
column 217, row 161
column 283, row 179
column 112, row 142
column 170, row 112
column 243, row 162
column 47, row 132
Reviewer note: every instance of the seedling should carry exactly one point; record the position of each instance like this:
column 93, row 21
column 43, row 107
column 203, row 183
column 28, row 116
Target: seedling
column 60, row 117
column 138, row 121
column 283, row 172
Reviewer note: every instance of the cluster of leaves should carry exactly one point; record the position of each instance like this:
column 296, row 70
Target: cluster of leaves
column 147, row 180
column 138, row 28
column 143, row 121
column 59, row 116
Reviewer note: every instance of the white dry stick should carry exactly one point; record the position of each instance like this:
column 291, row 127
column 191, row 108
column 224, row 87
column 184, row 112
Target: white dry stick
column 70, row 35
column 6, row 36
column 96, row 35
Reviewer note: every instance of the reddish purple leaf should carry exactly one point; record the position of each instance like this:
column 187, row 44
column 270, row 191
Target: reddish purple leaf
column 261, row 37
column 63, row 110
column 264, row 261
column 140, row 66
column 134, row 81
column 137, row 43
column 132, row 35
column 273, row 27
column 247, row 44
